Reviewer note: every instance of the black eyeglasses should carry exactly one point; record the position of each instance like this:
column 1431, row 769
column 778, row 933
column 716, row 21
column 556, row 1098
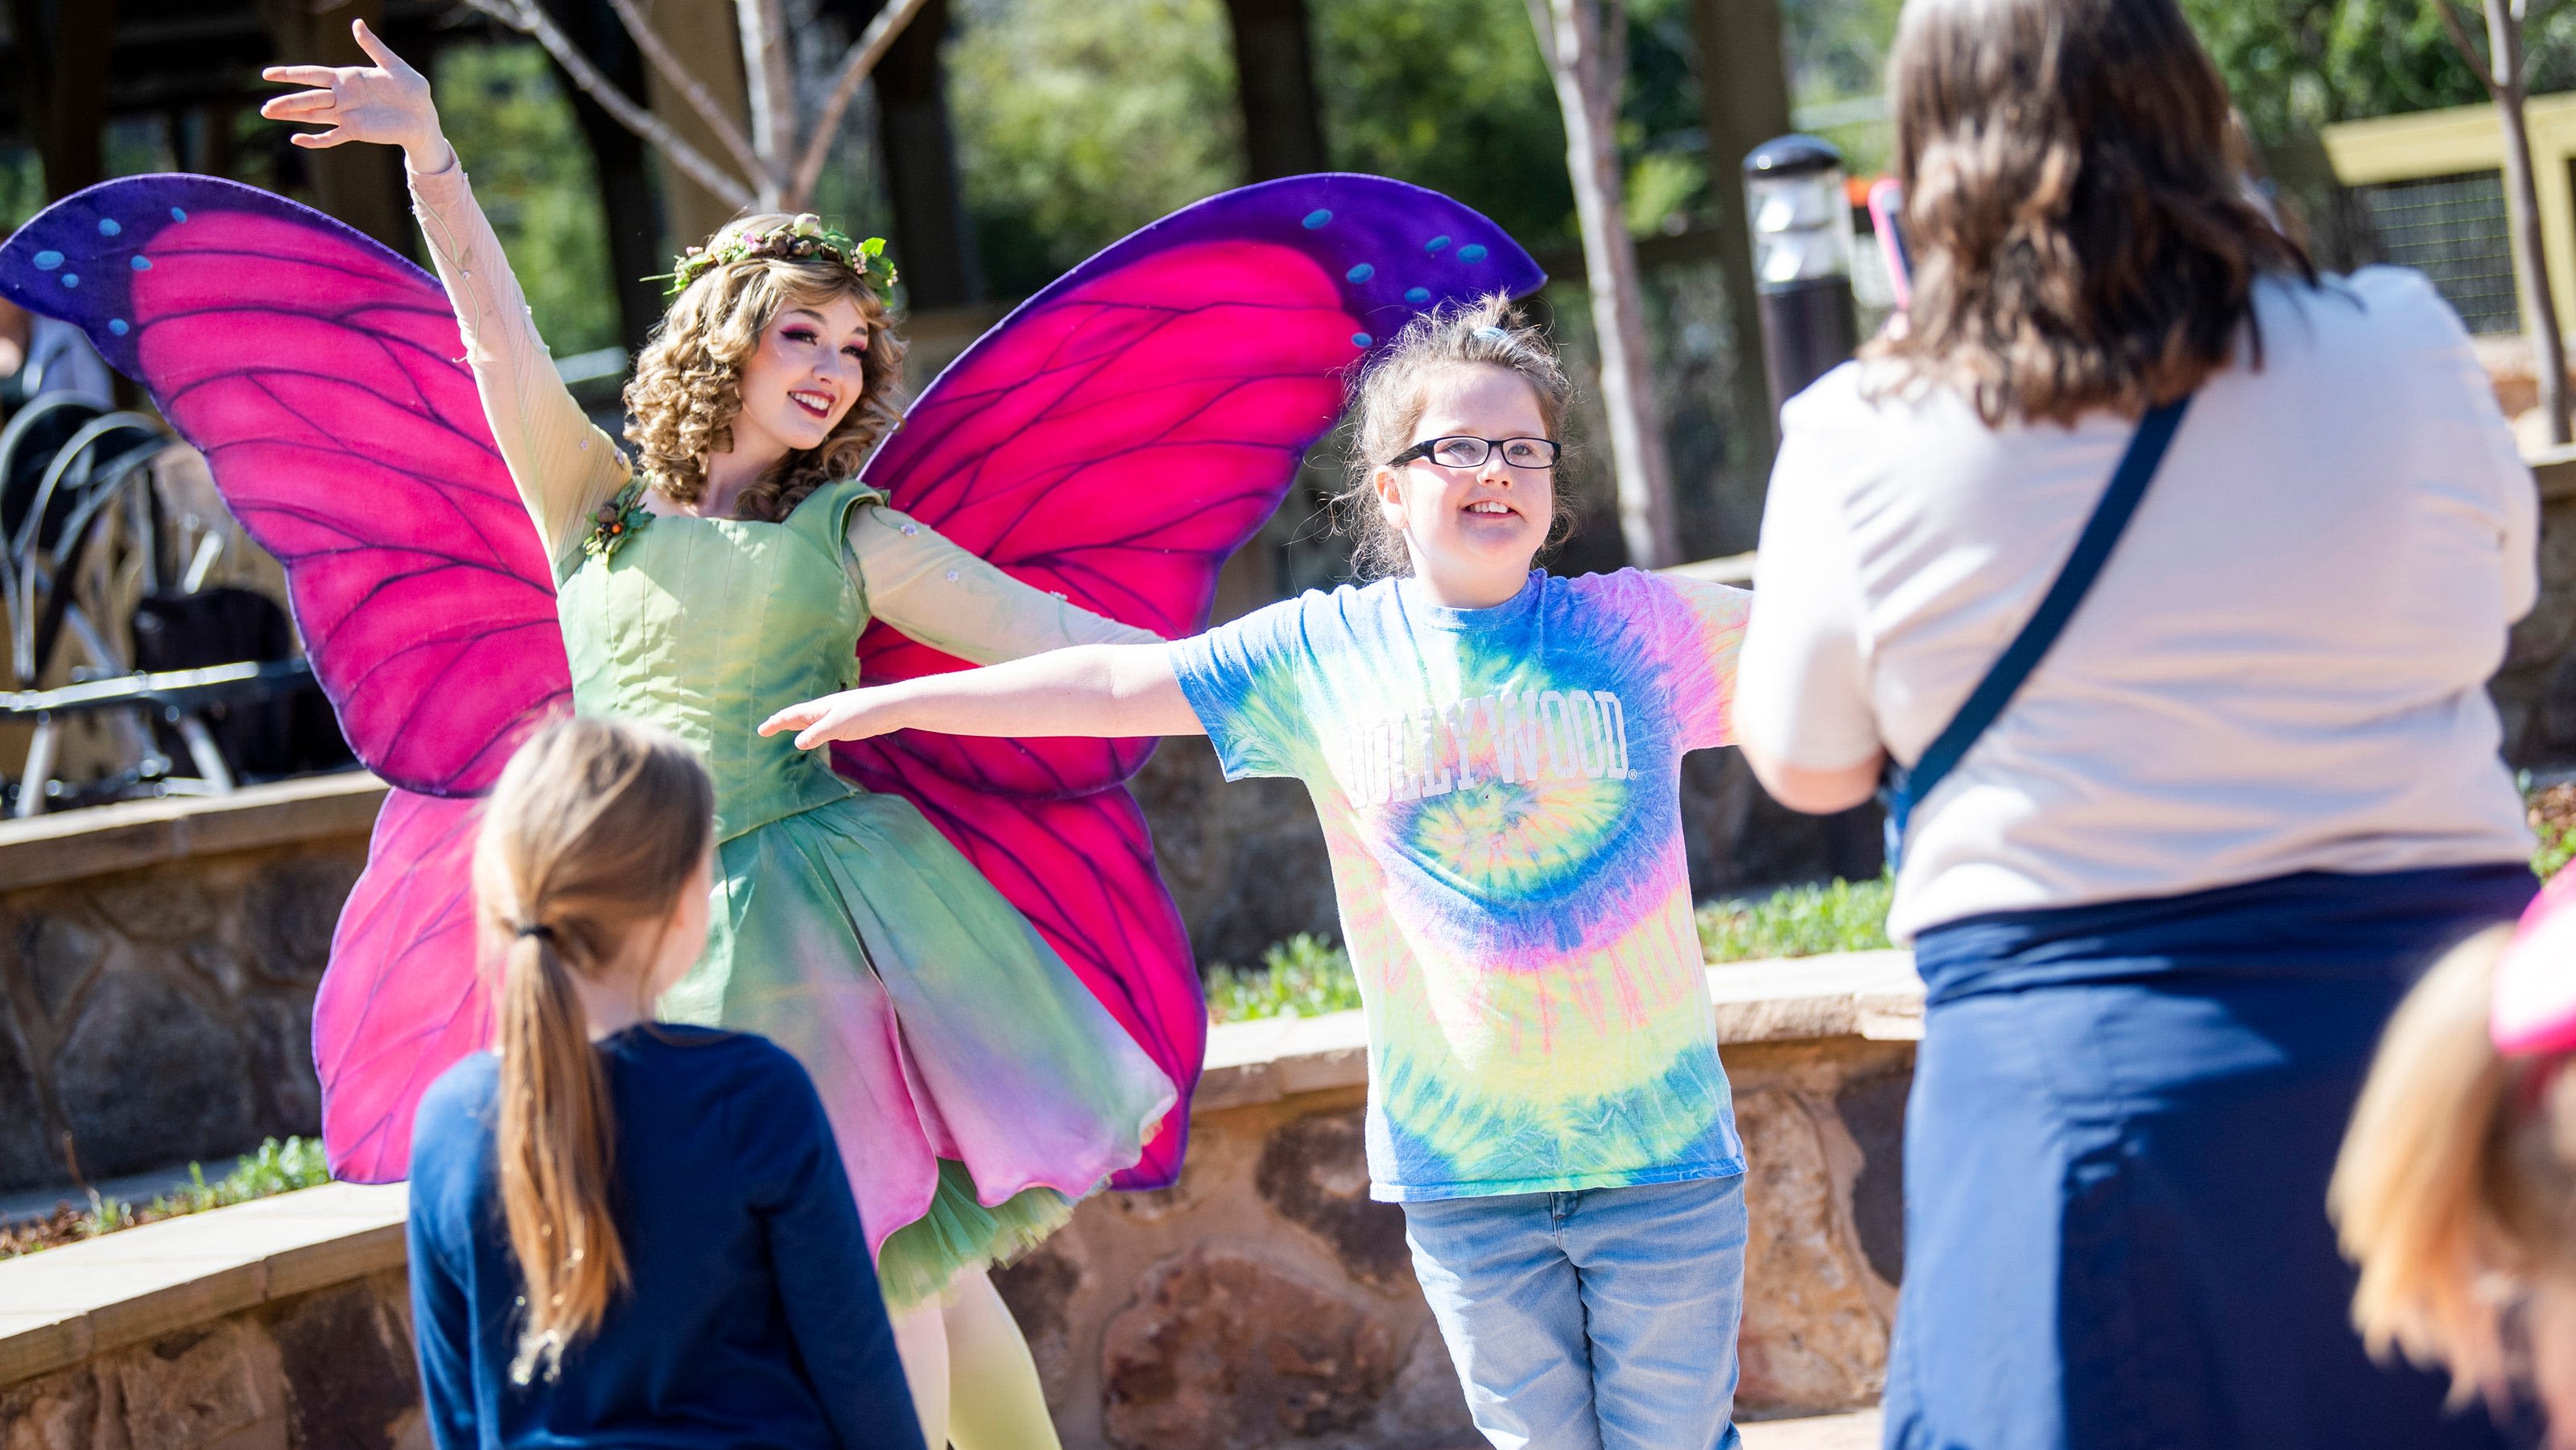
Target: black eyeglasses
column 1465, row 452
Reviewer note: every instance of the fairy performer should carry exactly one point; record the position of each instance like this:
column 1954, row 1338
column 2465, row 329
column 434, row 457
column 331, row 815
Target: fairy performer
column 734, row 561
column 965, row 941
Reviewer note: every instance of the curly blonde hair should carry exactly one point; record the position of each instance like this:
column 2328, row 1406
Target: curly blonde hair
column 688, row 382
column 1486, row 332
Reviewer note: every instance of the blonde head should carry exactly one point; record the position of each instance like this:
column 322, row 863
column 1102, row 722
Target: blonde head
column 592, row 833
column 687, row 385
column 1488, row 332
column 2456, row 1194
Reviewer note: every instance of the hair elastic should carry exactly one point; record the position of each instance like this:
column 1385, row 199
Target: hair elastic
column 1493, row 334
column 537, row 929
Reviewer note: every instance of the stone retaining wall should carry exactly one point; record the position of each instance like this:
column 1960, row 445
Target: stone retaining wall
column 1264, row 1301
column 157, row 967
column 320, row 1371
column 158, row 960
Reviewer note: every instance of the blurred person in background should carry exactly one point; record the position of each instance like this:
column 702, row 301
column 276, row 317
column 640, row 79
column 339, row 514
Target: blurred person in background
column 2163, row 906
column 2456, row 1191
column 41, row 355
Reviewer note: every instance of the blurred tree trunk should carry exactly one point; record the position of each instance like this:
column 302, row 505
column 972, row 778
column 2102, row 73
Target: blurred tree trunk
column 703, row 32
column 360, row 185
column 1744, row 101
column 2501, row 69
column 933, row 237
column 769, row 86
column 1585, row 43
column 1274, row 81
column 622, row 163
column 63, row 51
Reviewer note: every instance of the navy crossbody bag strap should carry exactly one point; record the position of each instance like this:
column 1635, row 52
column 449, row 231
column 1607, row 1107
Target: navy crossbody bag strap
column 2093, row 548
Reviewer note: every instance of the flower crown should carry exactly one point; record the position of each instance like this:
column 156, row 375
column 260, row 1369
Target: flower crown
column 802, row 240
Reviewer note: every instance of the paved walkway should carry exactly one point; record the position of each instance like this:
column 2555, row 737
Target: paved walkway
column 1826, row 1432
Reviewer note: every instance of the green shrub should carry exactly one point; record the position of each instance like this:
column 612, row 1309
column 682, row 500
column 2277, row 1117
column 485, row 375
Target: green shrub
column 2552, row 813
column 1304, row 976
column 1798, row 921
column 276, row 1168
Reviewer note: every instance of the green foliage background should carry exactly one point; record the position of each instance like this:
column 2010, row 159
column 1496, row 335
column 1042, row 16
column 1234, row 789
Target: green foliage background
column 507, row 114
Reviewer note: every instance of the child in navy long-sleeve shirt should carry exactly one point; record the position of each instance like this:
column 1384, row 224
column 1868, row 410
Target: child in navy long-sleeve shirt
column 627, row 1233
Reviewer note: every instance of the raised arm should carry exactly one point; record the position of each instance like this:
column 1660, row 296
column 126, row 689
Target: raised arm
column 1104, row 690
column 951, row 600
column 564, row 466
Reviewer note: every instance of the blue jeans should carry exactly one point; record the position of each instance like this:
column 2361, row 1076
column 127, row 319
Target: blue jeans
column 1602, row 1319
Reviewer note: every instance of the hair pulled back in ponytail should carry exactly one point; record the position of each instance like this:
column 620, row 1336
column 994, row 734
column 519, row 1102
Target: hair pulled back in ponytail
column 590, row 836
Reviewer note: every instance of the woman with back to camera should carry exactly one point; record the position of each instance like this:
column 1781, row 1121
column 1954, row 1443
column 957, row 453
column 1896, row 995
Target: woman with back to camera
column 2167, row 897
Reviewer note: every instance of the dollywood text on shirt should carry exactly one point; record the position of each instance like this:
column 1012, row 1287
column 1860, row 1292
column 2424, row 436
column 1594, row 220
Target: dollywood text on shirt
column 1513, row 736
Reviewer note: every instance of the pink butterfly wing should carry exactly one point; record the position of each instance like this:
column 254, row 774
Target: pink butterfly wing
column 1115, row 440
column 323, row 378
column 404, row 998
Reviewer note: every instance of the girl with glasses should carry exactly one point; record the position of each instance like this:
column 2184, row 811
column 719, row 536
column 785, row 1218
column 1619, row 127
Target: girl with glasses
column 1495, row 755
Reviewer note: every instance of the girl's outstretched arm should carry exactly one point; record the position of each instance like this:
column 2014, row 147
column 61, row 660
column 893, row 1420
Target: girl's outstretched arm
column 563, row 465
column 1105, row 690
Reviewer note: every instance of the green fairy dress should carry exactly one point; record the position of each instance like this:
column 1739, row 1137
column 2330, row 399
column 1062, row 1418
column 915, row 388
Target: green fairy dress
column 975, row 1085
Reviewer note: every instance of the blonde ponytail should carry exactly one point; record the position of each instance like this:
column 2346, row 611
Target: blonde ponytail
column 591, row 834
column 2456, row 1189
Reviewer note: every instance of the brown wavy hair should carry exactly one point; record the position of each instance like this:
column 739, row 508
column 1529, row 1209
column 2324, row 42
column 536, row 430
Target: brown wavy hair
column 688, row 381
column 590, row 836
column 2078, row 206
column 1487, row 332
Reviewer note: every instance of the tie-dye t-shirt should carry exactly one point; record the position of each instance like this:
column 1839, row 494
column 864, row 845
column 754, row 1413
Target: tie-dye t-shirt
column 1500, row 790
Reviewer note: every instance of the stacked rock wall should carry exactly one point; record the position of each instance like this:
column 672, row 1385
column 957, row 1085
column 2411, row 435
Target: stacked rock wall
column 327, row 1370
column 158, row 1012
column 1267, row 1301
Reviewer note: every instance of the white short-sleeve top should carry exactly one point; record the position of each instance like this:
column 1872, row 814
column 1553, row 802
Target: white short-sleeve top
column 2281, row 669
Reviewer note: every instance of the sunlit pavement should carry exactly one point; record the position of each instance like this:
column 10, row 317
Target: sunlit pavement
column 1858, row 1431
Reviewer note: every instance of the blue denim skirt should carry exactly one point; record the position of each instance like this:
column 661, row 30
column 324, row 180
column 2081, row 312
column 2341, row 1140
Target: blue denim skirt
column 2116, row 1153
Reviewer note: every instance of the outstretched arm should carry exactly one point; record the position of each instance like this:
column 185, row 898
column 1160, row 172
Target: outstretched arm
column 956, row 602
column 1104, row 690
column 563, row 465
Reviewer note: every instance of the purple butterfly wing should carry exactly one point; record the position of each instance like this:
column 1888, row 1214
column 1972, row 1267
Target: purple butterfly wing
column 323, row 378
column 1115, row 440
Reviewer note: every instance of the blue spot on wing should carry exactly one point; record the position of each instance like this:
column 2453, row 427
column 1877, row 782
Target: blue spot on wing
column 48, row 260
column 141, row 263
column 1361, row 339
column 71, row 279
column 1318, row 217
column 1471, row 253
column 1417, row 295
column 107, row 226
column 117, row 325
column 178, row 215
column 1437, row 244
column 1361, row 273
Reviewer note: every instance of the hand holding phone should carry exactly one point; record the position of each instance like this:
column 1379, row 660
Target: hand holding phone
column 1886, row 213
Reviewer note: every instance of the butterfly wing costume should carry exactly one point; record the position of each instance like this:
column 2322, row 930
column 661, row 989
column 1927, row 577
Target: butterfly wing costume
column 965, row 941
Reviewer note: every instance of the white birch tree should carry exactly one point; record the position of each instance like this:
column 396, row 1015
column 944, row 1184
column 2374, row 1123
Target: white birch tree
column 1586, row 46
column 775, row 166
column 2501, row 68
